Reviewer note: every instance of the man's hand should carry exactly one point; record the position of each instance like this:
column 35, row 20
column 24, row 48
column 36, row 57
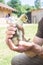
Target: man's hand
column 22, row 47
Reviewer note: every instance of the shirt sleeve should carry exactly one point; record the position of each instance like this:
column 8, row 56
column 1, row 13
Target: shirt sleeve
column 40, row 29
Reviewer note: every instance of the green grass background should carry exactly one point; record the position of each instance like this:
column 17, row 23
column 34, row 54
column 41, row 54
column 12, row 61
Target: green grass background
column 5, row 53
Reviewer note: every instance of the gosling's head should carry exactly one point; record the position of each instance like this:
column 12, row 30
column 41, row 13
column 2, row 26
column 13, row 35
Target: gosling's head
column 23, row 18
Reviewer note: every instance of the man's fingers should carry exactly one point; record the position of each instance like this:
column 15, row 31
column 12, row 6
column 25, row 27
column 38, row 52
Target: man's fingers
column 26, row 45
column 10, row 44
column 9, row 36
column 13, row 47
column 12, row 25
column 10, row 32
column 12, row 28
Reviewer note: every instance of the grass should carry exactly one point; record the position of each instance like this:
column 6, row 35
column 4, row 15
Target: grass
column 30, row 30
column 5, row 53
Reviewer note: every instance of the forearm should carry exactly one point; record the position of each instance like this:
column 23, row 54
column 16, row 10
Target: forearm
column 37, row 49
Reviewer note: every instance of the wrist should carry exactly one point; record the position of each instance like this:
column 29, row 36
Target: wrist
column 36, row 49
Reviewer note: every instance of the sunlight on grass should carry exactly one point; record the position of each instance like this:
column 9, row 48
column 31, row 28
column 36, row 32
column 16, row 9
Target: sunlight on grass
column 30, row 30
